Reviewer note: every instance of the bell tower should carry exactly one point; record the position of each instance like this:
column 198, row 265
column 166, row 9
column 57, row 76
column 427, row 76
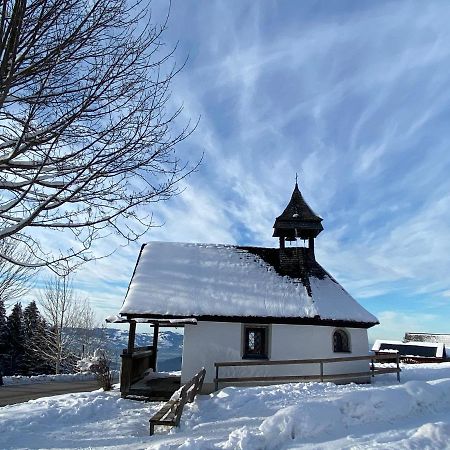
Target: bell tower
column 298, row 221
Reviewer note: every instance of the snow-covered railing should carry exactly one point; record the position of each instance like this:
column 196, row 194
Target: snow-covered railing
column 170, row 413
column 373, row 370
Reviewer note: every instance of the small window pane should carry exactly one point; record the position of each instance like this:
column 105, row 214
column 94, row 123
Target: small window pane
column 251, row 340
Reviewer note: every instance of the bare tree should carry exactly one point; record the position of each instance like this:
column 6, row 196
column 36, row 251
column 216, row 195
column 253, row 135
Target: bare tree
column 70, row 319
column 86, row 133
column 15, row 280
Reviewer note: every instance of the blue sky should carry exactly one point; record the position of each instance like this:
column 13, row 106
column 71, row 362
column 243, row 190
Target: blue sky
column 352, row 95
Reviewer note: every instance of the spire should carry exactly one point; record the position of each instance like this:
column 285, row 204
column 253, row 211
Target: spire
column 298, row 220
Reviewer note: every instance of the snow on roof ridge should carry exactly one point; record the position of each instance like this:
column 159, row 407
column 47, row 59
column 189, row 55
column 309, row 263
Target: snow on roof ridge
column 428, row 334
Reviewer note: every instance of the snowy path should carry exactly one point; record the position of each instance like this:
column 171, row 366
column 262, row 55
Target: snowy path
column 12, row 394
column 413, row 414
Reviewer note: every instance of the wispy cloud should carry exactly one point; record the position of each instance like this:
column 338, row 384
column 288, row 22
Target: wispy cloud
column 355, row 97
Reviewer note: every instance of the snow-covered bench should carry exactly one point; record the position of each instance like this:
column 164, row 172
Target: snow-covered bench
column 170, row 413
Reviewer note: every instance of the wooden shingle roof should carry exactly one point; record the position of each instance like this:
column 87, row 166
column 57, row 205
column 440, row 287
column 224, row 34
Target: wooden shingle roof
column 297, row 219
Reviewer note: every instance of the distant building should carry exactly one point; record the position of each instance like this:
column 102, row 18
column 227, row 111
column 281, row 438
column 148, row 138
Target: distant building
column 240, row 303
column 417, row 347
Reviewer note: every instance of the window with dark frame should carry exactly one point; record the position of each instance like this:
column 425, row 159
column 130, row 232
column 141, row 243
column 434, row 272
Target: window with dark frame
column 255, row 342
column 341, row 342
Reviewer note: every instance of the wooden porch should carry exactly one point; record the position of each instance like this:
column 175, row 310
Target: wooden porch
column 155, row 389
column 137, row 360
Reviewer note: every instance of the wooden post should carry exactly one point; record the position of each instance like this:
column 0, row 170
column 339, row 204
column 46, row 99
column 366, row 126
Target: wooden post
column 372, row 368
column 155, row 344
column 321, row 371
column 131, row 337
column 216, row 383
column 311, row 247
column 398, row 367
column 282, row 244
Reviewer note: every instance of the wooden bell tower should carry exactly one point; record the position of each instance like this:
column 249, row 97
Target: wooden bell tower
column 298, row 221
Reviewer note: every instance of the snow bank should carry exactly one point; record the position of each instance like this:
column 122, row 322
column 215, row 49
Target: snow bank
column 354, row 409
column 85, row 420
column 414, row 414
column 66, row 377
column 61, row 378
column 323, row 415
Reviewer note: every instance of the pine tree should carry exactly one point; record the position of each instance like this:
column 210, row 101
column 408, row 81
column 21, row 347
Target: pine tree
column 3, row 338
column 15, row 336
column 34, row 332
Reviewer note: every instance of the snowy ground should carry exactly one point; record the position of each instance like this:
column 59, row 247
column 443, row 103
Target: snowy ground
column 19, row 379
column 414, row 414
column 63, row 378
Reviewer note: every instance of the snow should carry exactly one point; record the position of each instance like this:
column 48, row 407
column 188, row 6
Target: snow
column 413, row 414
column 428, row 337
column 150, row 374
column 199, row 279
column 63, row 377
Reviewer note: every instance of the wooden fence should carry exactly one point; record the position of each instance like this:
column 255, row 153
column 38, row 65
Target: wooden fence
column 373, row 370
column 170, row 413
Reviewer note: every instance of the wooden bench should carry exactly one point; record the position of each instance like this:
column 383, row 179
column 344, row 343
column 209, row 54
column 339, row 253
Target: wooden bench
column 170, row 413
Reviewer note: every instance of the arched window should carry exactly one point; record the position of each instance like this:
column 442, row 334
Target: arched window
column 341, row 341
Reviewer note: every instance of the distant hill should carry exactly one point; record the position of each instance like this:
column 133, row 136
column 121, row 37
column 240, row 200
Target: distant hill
column 170, row 346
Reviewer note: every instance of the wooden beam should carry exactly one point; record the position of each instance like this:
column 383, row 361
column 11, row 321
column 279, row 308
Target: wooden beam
column 264, row 362
column 155, row 344
column 288, row 378
column 131, row 337
column 259, row 320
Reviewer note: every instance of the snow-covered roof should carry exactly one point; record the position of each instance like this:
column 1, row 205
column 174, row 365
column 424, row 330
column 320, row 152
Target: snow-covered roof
column 195, row 280
column 421, row 349
column 428, row 337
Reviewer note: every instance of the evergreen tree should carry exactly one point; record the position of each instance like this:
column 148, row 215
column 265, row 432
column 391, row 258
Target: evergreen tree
column 15, row 337
column 35, row 331
column 3, row 337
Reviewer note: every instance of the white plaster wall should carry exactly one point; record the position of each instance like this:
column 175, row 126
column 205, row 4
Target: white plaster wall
column 312, row 341
column 209, row 342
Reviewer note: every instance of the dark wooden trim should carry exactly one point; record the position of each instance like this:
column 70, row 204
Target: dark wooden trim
column 138, row 354
column 155, row 344
column 131, row 337
column 161, row 322
column 259, row 320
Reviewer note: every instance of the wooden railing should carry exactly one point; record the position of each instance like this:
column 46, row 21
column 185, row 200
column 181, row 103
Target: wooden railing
column 373, row 370
column 134, row 365
column 170, row 413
